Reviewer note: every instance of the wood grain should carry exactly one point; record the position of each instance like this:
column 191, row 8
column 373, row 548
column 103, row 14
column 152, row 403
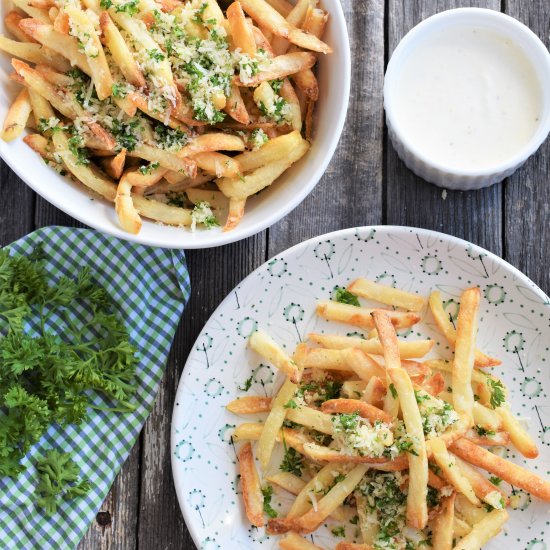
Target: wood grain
column 527, row 193
column 474, row 216
column 350, row 192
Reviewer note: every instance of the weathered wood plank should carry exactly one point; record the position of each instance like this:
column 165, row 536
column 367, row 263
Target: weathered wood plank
column 214, row 273
column 475, row 216
column 350, row 192
column 527, row 195
column 47, row 214
column 16, row 214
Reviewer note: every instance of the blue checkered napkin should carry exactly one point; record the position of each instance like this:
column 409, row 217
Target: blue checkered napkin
column 150, row 287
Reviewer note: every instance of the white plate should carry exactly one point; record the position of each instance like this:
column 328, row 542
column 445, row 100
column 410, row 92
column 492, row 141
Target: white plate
column 261, row 211
column 515, row 315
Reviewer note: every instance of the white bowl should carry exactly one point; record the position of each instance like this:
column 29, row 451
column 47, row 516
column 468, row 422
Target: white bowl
column 261, row 211
column 430, row 168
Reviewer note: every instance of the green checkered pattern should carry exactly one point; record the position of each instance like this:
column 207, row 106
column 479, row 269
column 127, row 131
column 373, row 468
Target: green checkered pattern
column 150, row 287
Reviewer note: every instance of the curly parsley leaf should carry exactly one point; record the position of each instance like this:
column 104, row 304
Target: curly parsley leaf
column 345, row 297
column 267, row 493
column 497, row 392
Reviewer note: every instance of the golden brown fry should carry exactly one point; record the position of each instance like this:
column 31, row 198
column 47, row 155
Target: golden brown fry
column 374, row 392
column 498, row 438
column 463, row 364
column 443, row 526
column 350, row 406
column 250, row 483
column 407, row 349
column 280, row 67
column 114, row 167
column 521, row 439
column 263, row 344
column 124, row 206
column 289, row 95
column 296, row 18
column 241, row 34
column 62, row 44
column 235, row 214
column 451, row 471
column 251, row 431
column 508, row 471
column 361, row 316
column 483, row 531
column 17, row 116
column 446, row 327
column 11, row 20
column 386, row 295
column 250, row 404
column 217, row 164
column 235, row 106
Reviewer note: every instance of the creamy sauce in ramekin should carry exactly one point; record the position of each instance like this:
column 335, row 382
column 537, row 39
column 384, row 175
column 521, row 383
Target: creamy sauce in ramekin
column 468, row 98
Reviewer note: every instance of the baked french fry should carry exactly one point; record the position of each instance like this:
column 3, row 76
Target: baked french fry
column 443, row 525
column 446, row 327
column 124, row 206
column 17, row 116
column 280, row 67
column 362, row 316
column 508, row 471
column 521, row 439
column 463, row 364
column 263, row 344
column 251, row 431
column 350, row 406
column 241, row 33
column 250, row 404
column 386, row 295
column 250, row 483
column 293, row 541
column 235, row 213
column 451, row 471
column 311, row 418
column 407, row 349
column 483, row 531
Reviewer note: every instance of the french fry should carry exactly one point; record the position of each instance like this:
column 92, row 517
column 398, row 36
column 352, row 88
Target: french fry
column 386, row 295
column 350, row 406
column 417, row 510
column 330, row 502
column 407, row 349
column 212, row 142
column 128, row 216
column 289, row 95
column 41, row 145
column 11, row 21
column 17, row 116
column 250, row 404
column 508, row 471
column 250, row 483
column 362, row 317
column 241, row 33
column 306, row 81
column 263, row 344
column 235, row 214
column 482, row 487
column 99, row 68
column 319, row 453
column 282, row 6
column 166, row 159
column 483, row 531
column 311, row 418
column 521, row 439
column 217, row 164
column 443, row 525
column 446, row 327
column 352, row 546
column 243, row 187
column 451, row 471
column 62, row 44
column 463, row 364
column 390, row 348
column 280, row 67
column 251, row 431
column 293, row 541
column 33, row 53
column 235, row 106
column 273, row 423
column 36, row 13
column 295, row 18
column 269, row 18
column 374, row 392
column 369, row 529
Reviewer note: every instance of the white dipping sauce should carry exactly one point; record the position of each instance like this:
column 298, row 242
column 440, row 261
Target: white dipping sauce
column 467, row 98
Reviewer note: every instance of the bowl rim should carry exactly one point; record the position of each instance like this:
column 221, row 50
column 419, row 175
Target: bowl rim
column 219, row 238
column 424, row 27
column 178, row 476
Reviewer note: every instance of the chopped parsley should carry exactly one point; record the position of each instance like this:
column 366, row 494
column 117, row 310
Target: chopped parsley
column 49, row 125
column 276, row 85
column 247, row 384
column 171, row 139
column 293, row 461
column 393, row 391
column 179, row 200
column 202, row 213
column 339, row 531
column 145, row 170
column 267, row 493
column 197, row 17
column 156, row 55
column 421, row 396
column 483, row 432
column 118, row 90
column 76, row 147
column 495, row 480
column 345, row 297
column 291, row 404
column 127, row 133
column 317, row 392
column 432, row 497
column 130, row 7
column 497, row 392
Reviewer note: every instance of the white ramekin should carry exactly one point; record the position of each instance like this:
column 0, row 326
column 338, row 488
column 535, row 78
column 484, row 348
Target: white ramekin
column 430, row 168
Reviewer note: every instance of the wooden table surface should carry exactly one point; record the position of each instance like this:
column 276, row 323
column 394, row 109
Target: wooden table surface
column 365, row 184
